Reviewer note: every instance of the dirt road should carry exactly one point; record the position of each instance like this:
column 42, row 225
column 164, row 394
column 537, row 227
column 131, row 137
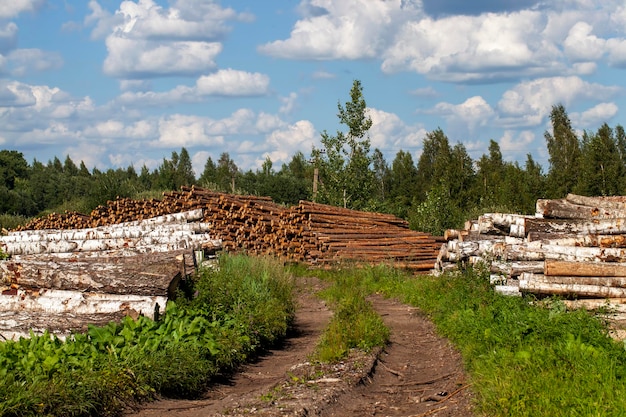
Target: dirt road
column 417, row 374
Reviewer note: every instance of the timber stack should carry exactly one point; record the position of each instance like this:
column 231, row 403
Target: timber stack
column 62, row 280
column 573, row 247
column 330, row 234
column 312, row 233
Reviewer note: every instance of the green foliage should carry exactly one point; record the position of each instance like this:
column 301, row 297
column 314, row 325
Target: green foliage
column 345, row 175
column 602, row 170
column 110, row 367
column 11, row 221
column 565, row 154
column 239, row 286
column 436, row 214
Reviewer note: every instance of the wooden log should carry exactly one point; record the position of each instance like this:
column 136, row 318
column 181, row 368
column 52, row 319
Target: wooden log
column 584, row 240
column 140, row 274
column 565, row 209
column 78, row 303
column 606, row 203
column 119, row 231
column 619, row 282
column 150, row 244
column 17, row 324
column 536, row 251
column 597, row 227
column 532, row 283
column 515, row 269
column 582, row 269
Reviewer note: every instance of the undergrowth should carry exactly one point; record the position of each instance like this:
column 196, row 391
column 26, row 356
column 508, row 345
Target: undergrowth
column 231, row 313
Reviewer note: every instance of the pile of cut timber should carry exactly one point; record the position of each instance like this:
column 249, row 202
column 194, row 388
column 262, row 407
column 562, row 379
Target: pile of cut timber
column 573, row 247
column 328, row 234
column 312, row 233
column 63, row 280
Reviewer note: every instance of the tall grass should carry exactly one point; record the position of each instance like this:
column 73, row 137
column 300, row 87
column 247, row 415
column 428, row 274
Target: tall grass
column 355, row 324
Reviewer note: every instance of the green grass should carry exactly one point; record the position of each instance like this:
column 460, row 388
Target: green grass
column 354, row 324
column 231, row 313
column 522, row 359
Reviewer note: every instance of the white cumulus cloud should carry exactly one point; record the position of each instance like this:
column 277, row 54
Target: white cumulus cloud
column 145, row 39
column 229, row 82
column 528, row 103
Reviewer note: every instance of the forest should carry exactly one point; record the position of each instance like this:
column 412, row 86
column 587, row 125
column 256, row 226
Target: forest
column 440, row 190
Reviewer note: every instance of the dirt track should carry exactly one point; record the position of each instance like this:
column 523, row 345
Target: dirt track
column 417, row 374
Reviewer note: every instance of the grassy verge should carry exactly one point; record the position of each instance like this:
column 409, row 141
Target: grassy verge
column 354, row 324
column 230, row 314
column 522, row 360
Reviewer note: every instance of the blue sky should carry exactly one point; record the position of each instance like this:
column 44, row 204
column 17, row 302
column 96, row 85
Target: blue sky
column 115, row 83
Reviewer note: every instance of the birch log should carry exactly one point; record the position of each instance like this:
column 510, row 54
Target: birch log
column 79, row 303
column 516, row 268
column 536, row 251
column 607, row 203
column 586, row 240
column 141, row 274
column 149, row 244
column 565, row 209
column 599, row 227
column 619, row 282
column 121, row 231
column 16, row 324
column 535, row 284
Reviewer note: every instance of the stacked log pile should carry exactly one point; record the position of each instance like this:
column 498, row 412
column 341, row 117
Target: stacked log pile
column 573, row 247
column 62, row 280
column 330, row 234
column 312, row 233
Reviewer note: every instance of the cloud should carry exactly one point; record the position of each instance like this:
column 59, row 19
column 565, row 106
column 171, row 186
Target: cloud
column 281, row 144
column 24, row 61
column 347, row 29
column 130, row 58
column 390, row 134
column 472, row 113
column 9, row 9
column 182, row 130
column 582, row 45
column 530, row 102
column 462, row 42
column 8, row 37
column 15, row 94
column 89, row 153
column 289, row 103
column 488, row 47
column 144, row 39
column 595, row 116
column 231, row 82
column 517, row 144
column 323, row 75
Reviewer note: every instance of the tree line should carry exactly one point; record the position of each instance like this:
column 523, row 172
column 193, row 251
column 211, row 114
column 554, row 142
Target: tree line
column 440, row 190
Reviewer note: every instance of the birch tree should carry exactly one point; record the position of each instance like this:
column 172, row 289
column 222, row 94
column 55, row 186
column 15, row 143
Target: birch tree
column 344, row 161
